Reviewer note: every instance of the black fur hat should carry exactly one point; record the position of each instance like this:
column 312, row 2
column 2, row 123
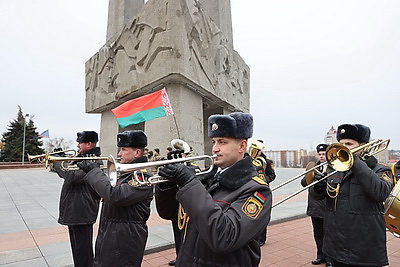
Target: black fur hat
column 236, row 125
column 357, row 132
column 321, row 147
column 136, row 139
column 87, row 136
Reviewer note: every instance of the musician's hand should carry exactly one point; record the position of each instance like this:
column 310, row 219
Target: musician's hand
column 175, row 154
column 60, row 154
column 318, row 176
column 87, row 165
column 320, row 187
column 371, row 161
column 177, row 173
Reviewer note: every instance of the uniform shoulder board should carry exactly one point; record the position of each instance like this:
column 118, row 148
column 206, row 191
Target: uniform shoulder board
column 387, row 176
column 256, row 163
column 259, row 180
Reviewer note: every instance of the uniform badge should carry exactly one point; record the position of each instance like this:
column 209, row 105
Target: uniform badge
column 342, row 131
column 214, row 127
column 252, row 207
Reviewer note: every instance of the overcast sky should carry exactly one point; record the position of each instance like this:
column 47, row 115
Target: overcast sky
column 313, row 65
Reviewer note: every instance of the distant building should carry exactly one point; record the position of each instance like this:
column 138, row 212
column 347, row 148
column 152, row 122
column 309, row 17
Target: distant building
column 393, row 156
column 287, row 158
column 330, row 136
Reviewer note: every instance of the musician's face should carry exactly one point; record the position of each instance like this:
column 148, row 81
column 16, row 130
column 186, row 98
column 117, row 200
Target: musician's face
column 349, row 143
column 321, row 156
column 84, row 147
column 228, row 150
column 129, row 154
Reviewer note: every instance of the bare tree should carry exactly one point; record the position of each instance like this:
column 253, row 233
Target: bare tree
column 58, row 142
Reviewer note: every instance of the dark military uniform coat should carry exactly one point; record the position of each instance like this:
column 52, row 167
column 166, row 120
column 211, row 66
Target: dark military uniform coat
column 123, row 230
column 354, row 220
column 79, row 204
column 315, row 207
column 226, row 213
column 269, row 169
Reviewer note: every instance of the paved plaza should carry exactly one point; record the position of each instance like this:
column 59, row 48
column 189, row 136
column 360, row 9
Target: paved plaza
column 31, row 236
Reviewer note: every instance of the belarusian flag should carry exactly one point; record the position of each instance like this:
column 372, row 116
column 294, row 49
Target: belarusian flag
column 143, row 108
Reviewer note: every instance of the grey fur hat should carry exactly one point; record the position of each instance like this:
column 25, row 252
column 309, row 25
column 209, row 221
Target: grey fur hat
column 236, row 125
column 136, row 139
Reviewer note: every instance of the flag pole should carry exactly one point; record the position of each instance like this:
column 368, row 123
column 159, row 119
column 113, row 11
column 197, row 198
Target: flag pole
column 177, row 128
column 23, row 140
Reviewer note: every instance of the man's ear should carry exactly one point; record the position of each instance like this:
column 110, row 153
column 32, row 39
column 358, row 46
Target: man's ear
column 138, row 152
column 243, row 145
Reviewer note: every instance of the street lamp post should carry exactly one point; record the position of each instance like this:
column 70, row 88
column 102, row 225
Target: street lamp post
column 23, row 140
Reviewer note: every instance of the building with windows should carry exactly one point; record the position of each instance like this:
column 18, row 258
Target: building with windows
column 287, row 158
column 330, row 136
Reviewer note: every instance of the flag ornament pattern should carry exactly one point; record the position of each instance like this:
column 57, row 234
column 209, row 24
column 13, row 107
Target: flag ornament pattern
column 144, row 108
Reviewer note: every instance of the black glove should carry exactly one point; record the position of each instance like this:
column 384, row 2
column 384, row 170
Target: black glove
column 320, row 187
column 177, row 173
column 61, row 154
column 371, row 161
column 318, row 176
column 87, row 165
column 175, row 154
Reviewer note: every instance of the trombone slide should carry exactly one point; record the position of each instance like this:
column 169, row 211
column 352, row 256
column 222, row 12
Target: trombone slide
column 340, row 158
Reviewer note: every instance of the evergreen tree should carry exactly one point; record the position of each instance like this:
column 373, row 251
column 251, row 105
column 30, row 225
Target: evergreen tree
column 13, row 139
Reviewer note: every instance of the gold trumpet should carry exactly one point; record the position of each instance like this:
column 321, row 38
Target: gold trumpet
column 115, row 170
column 70, row 166
column 341, row 159
column 42, row 157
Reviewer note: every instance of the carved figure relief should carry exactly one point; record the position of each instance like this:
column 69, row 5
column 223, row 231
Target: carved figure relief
column 168, row 36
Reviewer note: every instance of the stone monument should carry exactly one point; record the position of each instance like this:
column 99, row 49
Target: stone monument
column 183, row 45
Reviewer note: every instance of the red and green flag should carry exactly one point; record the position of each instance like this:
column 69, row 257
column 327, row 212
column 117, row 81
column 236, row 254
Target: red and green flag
column 144, row 108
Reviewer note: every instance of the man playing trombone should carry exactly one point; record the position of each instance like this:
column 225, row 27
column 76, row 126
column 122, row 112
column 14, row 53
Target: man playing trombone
column 316, row 207
column 355, row 229
column 123, row 228
column 226, row 209
column 79, row 204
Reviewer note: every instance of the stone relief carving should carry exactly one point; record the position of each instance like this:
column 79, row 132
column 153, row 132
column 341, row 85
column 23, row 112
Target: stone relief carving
column 168, row 36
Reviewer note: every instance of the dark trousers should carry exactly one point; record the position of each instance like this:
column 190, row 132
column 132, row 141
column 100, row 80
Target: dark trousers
column 81, row 239
column 177, row 236
column 339, row 264
column 318, row 228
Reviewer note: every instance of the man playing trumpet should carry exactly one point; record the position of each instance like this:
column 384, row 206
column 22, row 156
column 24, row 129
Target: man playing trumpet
column 123, row 230
column 79, row 204
column 226, row 209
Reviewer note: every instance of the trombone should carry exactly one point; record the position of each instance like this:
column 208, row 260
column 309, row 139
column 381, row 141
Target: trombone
column 341, row 159
column 115, row 170
column 41, row 158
